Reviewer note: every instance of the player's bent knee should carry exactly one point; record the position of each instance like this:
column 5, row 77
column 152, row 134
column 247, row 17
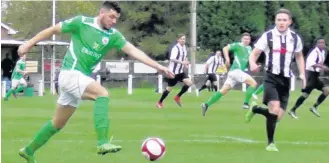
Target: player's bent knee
column 225, row 89
column 305, row 95
column 326, row 91
column 274, row 107
column 169, row 89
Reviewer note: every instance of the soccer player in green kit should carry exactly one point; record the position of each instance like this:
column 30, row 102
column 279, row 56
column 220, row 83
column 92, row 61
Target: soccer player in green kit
column 236, row 74
column 91, row 39
column 18, row 82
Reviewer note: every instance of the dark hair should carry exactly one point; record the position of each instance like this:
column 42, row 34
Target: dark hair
column 284, row 11
column 180, row 35
column 319, row 39
column 112, row 5
column 246, row 34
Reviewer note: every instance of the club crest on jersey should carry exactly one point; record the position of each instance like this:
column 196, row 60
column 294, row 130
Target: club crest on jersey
column 105, row 40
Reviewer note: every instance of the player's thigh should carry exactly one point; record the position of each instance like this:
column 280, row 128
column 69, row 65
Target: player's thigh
column 284, row 94
column 14, row 83
column 250, row 80
column 225, row 89
column 270, row 92
column 94, row 90
column 22, row 81
column 62, row 114
column 171, row 83
column 186, row 79
column 67, row 99
column 229, row 82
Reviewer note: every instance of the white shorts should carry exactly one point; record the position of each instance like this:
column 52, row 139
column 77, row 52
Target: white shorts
column 235, row 76
column 15, row 82
column 72, row 84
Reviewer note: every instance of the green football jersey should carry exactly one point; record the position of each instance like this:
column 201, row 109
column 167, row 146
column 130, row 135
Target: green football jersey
column 241, row 56
column 20, row 65
column 89, row 43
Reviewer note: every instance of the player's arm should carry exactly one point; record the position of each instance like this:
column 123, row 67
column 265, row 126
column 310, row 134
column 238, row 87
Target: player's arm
column 300, row 61
column 226, row 50
column 131, row 50
column 62, row 27
column 46, row 33
column 209, row 61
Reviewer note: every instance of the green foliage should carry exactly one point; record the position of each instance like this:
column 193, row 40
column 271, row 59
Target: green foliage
column 153, row 25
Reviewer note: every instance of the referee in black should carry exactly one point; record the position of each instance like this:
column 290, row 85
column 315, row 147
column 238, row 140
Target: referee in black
column 280, row 46
column 314, row 65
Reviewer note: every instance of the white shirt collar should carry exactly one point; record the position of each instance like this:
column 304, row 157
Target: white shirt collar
column 276, row 32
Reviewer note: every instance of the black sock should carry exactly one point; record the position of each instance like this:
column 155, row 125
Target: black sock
column 208, row 88
column 321, row 98
column 215, row 87
column 270, row 127
column 202, row 88
column 299, row 101
column 183, row 90
column 164, row 95
column 259, row 110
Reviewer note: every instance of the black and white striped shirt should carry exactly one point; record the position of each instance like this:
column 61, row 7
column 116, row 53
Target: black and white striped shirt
column 316, row 56
column 178, row 52
column 213, row 63
column 279, row 50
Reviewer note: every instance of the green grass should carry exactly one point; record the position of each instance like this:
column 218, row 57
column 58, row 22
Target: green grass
column 221, row 136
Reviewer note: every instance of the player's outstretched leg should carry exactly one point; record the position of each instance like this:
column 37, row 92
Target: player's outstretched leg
column 202, row 87
column 101, row 120
column 320, row 99
column 9, row 93
column 163, row 96
column 299, row 102
column 250, row 90
column 259, row 90
column 181, row 92
column 40, row 139
column 214, row 98
column 187, row 84
column 271, row 120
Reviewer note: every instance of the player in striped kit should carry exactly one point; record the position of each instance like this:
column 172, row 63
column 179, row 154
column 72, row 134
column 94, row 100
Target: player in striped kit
column 178, row 62
column 212, row 64
column 314, row 65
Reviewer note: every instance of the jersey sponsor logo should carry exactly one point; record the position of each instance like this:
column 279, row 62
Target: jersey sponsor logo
column 105, row 40
column 91, row 53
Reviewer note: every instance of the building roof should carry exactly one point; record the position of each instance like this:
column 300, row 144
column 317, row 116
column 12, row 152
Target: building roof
column 11, row 31
column 19, row 42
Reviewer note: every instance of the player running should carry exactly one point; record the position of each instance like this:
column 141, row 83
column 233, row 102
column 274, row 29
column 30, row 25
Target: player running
column 18, row 82
column 213, row 63
column 236, row 74
column 91, row 39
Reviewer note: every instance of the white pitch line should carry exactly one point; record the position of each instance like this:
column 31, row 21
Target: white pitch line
column 233, row 140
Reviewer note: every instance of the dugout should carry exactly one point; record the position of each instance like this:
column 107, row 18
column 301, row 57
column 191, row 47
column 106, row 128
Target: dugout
column 10, row 46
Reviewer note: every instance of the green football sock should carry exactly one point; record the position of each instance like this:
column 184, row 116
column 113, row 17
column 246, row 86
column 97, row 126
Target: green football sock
column 101, row 119
column 20, row 88
column 214, row 98
column 8, row 94
column 248, row 94
column 41, row 138
column 260, row 89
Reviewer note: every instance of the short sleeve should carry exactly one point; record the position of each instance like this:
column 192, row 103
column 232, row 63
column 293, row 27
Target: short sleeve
column 210, row 60
column 233, row 46
column 70, row 25
column 174, row 52
column 261, row 43
column 120, row 41
column 299, row 46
